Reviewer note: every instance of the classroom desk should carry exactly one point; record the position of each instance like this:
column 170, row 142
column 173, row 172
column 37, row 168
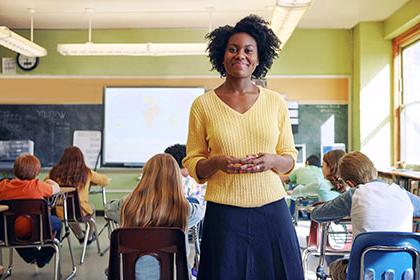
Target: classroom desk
column 324, row 235
column 65, row 190
column 98, row 189
column 320, row 273
column 322, row 248
column 394, row 174
column 63, row 195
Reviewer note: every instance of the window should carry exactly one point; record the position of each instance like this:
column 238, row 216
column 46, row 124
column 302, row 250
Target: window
column 407, row 97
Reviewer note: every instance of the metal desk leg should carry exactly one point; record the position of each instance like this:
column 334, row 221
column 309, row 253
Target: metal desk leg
column 67, row 235
column 320, row 273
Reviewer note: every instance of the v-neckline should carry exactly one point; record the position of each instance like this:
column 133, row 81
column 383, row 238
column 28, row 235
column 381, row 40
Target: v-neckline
column 232, row 109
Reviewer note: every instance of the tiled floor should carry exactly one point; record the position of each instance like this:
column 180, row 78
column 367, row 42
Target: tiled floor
column 94, row 265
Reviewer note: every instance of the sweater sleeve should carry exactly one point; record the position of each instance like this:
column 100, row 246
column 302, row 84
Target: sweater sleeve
column 44, row 189
column 197, row 146
column 335, row 209
column 99, row 179
column 285, row 143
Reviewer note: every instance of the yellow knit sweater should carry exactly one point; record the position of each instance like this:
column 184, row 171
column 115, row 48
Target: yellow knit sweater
column 217, row 129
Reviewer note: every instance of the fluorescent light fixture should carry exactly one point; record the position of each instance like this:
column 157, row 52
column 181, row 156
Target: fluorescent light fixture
column 146, row 49
column 286, row 16
column 143, row 49
column 17, row 43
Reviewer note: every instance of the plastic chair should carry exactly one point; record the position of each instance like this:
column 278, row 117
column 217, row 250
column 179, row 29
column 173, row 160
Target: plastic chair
column 41, row 236
column 166, row 244
column 323, row 241
column 385, row 255
column 75, row 214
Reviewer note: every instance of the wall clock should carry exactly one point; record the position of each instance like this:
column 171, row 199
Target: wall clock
column 26, row 63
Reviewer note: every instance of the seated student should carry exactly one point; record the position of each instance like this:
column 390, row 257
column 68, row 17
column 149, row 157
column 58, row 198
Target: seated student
column 325, row 187
column 71, row 170
column 159, row 201
column 25, row 186
column 192, row 190
column 367, row 203
column 308, row 174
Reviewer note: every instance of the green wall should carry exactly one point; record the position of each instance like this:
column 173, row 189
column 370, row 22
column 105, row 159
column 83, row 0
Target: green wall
column 371, row 98
column 355, row 92
column 316, row 52
column 371, row 113
column 308, row 52
column 403, row 19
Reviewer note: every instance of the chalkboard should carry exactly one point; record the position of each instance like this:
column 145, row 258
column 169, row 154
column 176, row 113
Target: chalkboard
column 311, row 119
column 50, row 127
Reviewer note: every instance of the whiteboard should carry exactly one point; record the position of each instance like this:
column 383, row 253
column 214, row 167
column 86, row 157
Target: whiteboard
column 141, row 122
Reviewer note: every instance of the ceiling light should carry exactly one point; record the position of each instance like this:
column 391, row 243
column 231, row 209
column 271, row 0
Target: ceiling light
column 147, row 49
column 286, row 16
column 143, row 49
column 19, row 44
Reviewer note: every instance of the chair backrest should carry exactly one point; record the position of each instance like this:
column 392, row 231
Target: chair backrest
column 166, row 244
column 38, row 212
column 339, row 237
column 74, row 211
column 314, row 235
column 385, row 255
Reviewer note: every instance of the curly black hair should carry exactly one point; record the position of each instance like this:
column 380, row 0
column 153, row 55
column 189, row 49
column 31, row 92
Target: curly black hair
column 178, row 151
column 268, row 45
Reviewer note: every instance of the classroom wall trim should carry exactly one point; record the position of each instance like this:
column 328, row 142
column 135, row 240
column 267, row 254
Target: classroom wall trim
column 88, row 90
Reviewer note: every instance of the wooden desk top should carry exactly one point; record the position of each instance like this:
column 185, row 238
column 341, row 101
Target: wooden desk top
column 67, row 189
column 4, row 208
column 410, row 174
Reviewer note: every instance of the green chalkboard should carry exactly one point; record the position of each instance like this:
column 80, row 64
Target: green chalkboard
column 50, row 127
column 331, row 119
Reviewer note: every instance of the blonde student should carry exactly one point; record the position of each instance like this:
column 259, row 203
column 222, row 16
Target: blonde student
column 158, row 201
column 71, row 170
column 367, row 203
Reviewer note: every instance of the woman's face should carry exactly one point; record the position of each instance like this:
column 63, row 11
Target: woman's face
column 241, row 56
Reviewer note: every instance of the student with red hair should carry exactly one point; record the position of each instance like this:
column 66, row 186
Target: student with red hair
column 25, row 186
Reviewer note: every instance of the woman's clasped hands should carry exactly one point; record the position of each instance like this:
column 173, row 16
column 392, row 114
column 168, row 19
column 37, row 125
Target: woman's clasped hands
column 249, row 164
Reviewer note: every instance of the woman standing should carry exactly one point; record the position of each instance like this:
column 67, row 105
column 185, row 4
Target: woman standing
column 239, row 142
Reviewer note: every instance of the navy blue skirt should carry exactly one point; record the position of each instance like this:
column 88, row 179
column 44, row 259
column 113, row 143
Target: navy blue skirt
column 249, row 243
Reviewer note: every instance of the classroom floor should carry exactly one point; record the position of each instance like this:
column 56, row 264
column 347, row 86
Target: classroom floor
column 94, row 265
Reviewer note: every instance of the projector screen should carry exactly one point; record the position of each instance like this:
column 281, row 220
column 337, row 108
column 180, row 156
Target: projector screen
column 141, row 122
